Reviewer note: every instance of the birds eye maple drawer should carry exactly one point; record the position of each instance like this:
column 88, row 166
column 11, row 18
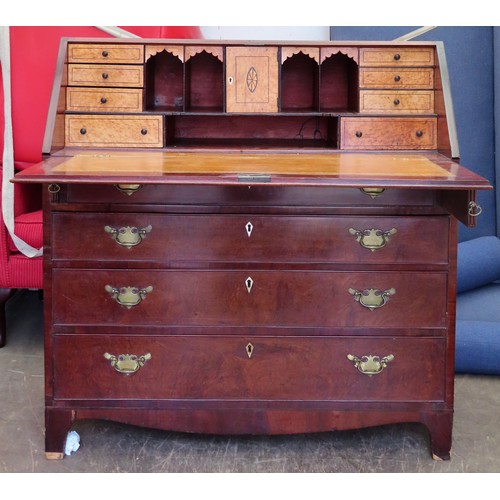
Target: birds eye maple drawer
column 254, row 238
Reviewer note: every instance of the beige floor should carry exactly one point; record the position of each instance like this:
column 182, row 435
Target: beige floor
column 111, row 447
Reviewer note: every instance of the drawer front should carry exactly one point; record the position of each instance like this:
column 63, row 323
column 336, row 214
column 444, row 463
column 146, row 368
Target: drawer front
column 244, row 368
column 119, row 131
column 396, row 56
column 177, row 239
column 400, row 78
column 95, row 75
column 105, row 53
column 390, row 134
column 250, row 298
column 393, row 102
column 108, row 100
column 254, row 198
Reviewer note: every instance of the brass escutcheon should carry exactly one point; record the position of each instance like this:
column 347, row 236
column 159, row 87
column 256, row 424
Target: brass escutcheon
column 372, row 239
column 128, row 236
column 372, row 298
column 127, row 363
column 128, row 296
column 370, row 365
column 249, row 349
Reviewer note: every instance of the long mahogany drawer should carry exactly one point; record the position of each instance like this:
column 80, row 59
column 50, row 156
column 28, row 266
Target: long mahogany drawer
column 174, row 239
column 255, row 197
column 103, row 99
column 243, row 368
column 249, row 298
column 109, row 75
column 105, row 53
column 114, row 131
column 396, row 78
column 388, row 133
column 396, row 101
column 396, row 56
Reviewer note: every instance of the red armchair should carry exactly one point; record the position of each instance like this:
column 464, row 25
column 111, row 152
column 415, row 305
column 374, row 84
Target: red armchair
column 32, row 59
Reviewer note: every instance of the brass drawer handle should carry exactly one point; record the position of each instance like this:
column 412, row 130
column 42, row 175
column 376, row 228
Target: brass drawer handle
column 372, row 239
column 128, row 189
column 128, row 296
column 370, row 365
column 474, row 209
column 127, row 363
column 372, row 298
column 372, row 192
column 128, row 236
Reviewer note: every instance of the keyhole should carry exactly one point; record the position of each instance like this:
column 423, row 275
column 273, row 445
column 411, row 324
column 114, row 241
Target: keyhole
column 249, row 349
column 249, row 284
column 249, row 228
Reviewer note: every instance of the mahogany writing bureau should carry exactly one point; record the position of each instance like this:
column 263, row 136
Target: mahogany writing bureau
column 251, row 238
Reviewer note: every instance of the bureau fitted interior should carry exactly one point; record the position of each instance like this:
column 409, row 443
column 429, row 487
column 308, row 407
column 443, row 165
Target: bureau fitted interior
column 268, row 96
column 251, row 238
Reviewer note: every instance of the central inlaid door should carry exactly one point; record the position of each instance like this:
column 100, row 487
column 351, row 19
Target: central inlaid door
column 252, row 79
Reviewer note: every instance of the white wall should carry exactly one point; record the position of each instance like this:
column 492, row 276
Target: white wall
column 266, row 32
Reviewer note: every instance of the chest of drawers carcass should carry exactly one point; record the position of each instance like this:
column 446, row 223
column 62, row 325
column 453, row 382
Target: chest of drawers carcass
column 239, row 282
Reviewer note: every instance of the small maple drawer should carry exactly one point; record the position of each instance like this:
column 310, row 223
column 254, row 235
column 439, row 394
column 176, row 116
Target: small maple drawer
column 129, row 367
column 396, row 56
column 110, row 100
column 398, row 78
column 105, row 53
column 114, row 131
column 249, row 298
column 388, row 133
column 390, row 101
column 97, row 75
column 160, row 238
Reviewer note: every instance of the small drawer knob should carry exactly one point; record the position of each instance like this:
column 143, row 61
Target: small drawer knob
column 396, row 102
column 359, row 133
column 105, row 53
column 105, row 76
column 144, row 131
column 104, row 100
column 83, row 131
column 419, row 133
column 397, row 57
column 397, row 78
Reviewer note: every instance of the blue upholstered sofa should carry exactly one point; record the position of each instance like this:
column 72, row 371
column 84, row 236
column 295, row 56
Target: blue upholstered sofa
column 478, row 306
